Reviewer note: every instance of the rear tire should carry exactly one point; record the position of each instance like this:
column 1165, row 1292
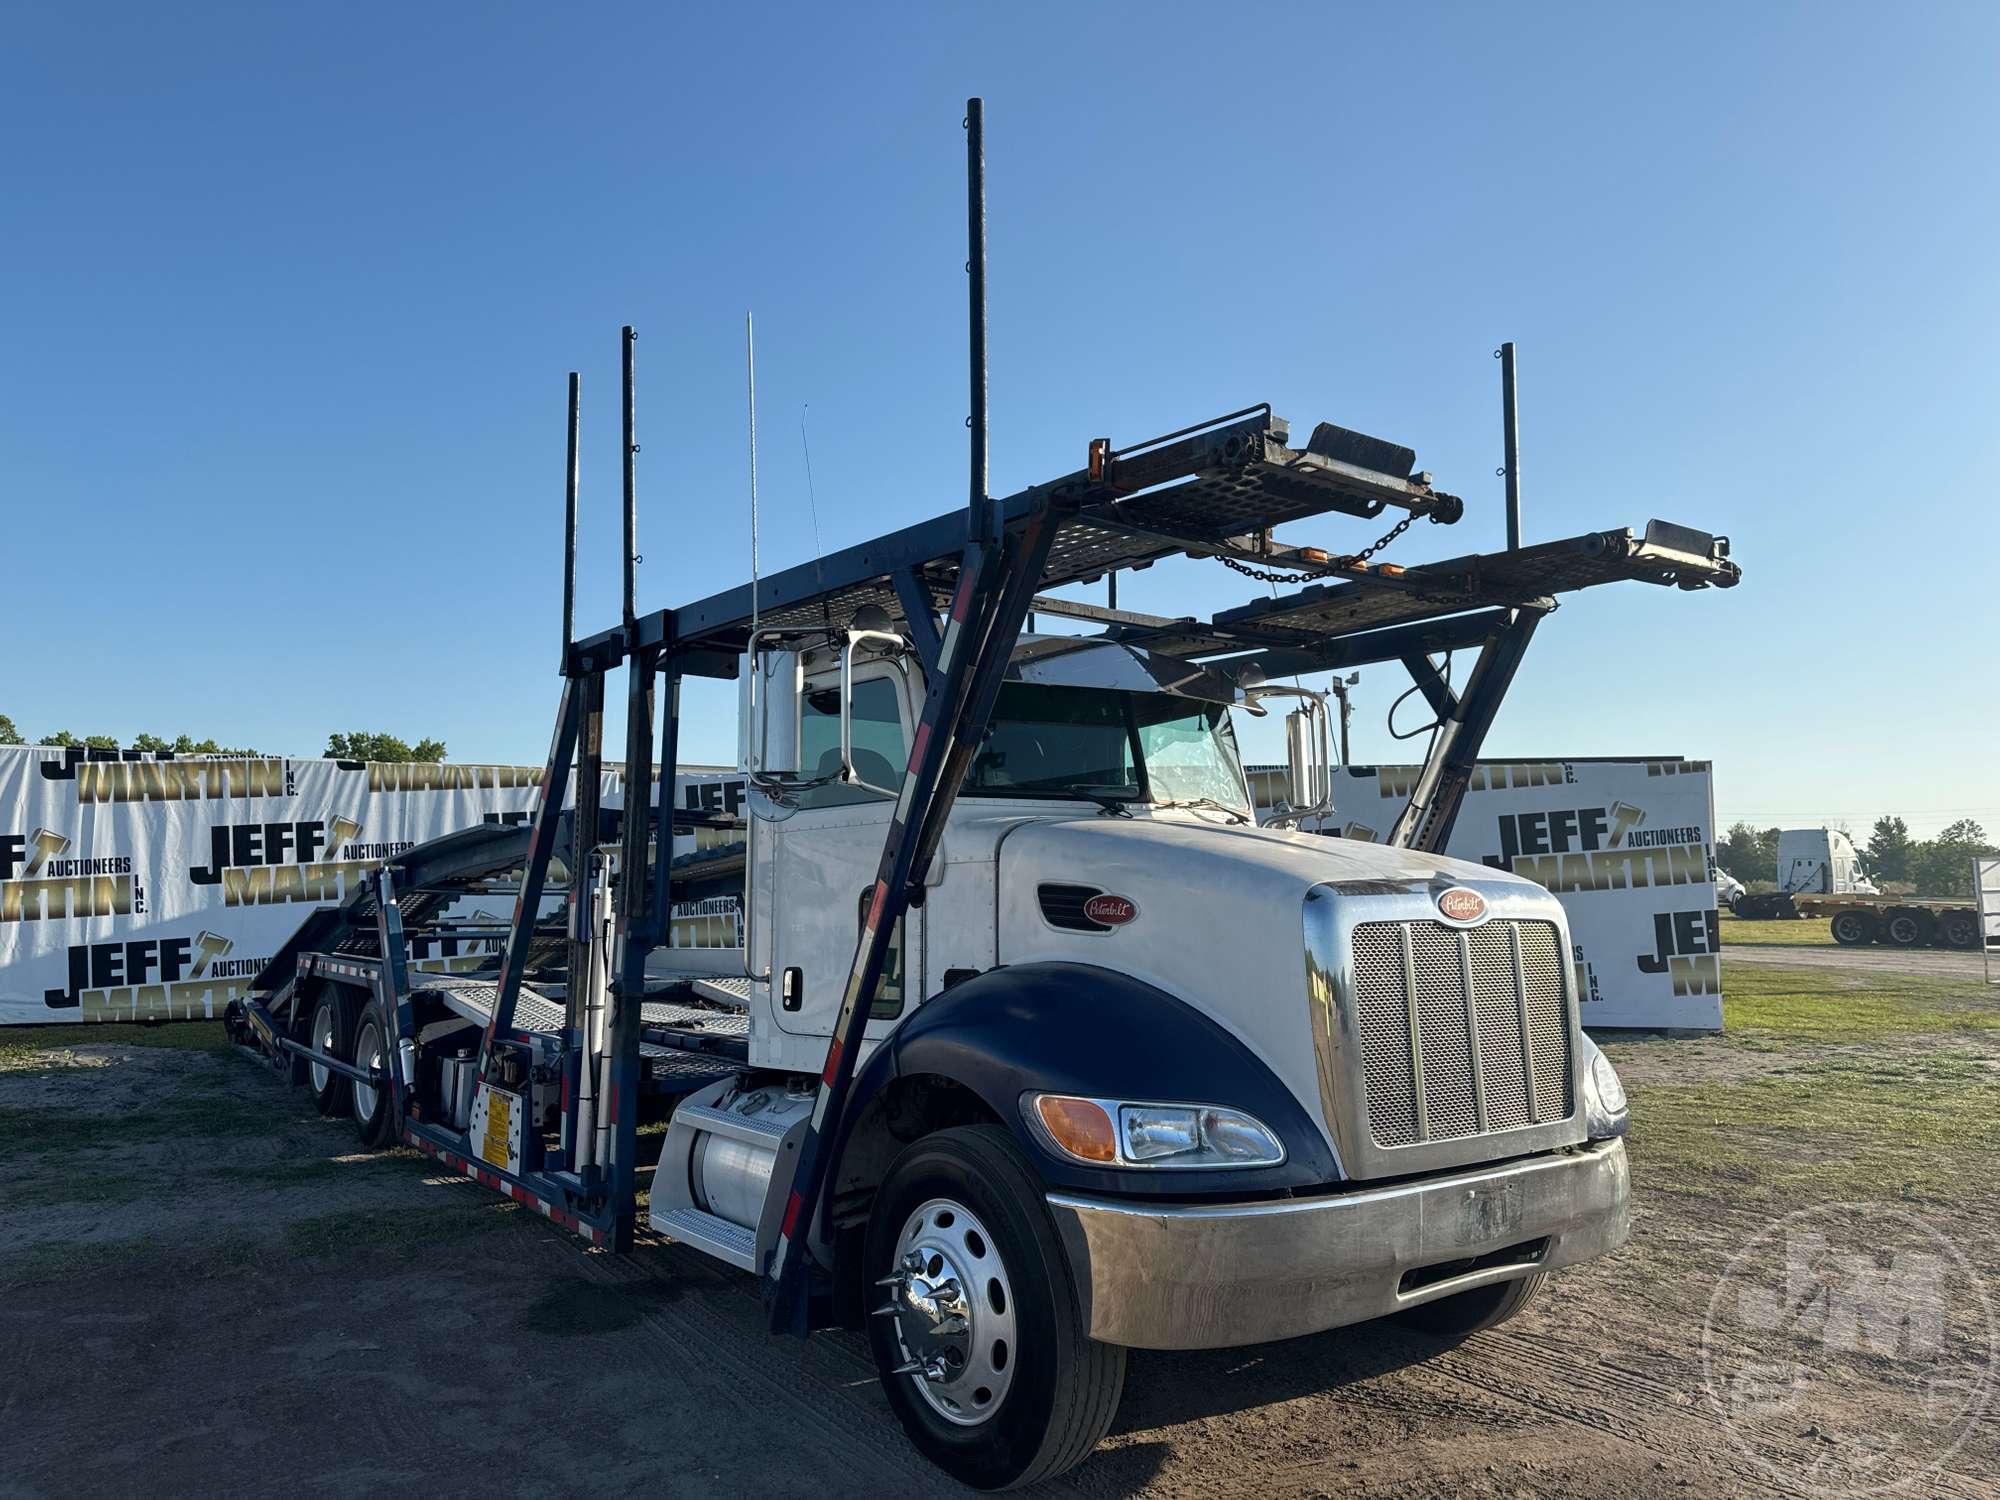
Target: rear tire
column 330, row 1029
column 1908, row 926
column 1854, row 929
column 1060, row 1388
column 374, row 1111
column 1959, row 929
column 1466, row 1313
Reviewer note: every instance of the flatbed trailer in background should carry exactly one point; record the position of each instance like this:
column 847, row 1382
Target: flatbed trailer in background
column 1045, row 1050
column 1820, row 877
column 1899, row 921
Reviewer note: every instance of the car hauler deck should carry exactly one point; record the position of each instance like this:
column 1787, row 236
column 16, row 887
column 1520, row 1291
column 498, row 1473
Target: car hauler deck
column 1037, row 1048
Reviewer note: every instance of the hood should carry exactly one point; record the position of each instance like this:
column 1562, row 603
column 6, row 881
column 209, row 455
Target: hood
column 1217, row 915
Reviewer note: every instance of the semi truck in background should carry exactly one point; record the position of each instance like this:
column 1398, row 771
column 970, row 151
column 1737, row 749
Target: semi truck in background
column 1038, row 1048
column 1820, row 875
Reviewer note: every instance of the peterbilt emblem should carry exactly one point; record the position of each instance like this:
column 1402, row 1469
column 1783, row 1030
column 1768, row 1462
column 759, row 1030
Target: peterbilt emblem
column 1461, row 904
column 1108, row 910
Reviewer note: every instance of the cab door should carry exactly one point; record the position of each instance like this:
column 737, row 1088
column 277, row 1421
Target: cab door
column 825, row 857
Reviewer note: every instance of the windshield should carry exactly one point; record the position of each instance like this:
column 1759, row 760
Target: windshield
column 1133, row 747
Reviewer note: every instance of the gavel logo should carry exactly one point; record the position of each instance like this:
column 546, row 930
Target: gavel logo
column 343, row 829
column 1624, row 818
column 48, row 845
column 211, row 946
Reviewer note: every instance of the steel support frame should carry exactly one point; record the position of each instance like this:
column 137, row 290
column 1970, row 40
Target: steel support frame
column 996, row 585
column 1463, row 721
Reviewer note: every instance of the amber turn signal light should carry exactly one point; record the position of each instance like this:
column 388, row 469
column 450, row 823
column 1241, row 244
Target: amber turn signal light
column 1080, row 1126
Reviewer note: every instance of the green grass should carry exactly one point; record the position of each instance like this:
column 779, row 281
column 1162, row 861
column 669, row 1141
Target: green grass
column 1876, row 1086
column 1815, row 932
column 1762, row 1003
column 29, row 1046
column 1916, row 1127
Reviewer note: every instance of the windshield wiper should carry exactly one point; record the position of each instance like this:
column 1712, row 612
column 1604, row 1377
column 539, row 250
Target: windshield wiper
column 1235, row 813
column 1113, row 800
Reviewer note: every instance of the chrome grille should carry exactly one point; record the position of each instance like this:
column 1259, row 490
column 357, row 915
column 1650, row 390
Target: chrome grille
column 1463, row 1031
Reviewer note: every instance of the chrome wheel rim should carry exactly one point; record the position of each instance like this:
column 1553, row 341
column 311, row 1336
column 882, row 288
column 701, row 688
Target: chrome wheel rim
column 322, row 1044
column 953, row 1306
column 367, row 1054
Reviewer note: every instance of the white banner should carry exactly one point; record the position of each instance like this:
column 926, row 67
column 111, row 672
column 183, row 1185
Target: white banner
column 135, row 887
column 1625, row 844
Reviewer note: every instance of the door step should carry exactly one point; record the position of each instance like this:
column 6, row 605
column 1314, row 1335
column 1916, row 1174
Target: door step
column 710, row 1234
column 754, row 1130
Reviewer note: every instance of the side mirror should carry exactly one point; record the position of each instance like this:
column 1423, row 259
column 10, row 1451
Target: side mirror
column 847, row 772
column 1308, row 755
column 769, row 686
column 1306, row 760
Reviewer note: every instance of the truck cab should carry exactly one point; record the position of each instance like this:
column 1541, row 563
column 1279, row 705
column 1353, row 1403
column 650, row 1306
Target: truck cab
column 1135, row 1064
column 1821, row 862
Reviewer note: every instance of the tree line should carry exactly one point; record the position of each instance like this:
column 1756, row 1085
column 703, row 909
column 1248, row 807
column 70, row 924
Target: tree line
column 358, row 745
column 1897, row 863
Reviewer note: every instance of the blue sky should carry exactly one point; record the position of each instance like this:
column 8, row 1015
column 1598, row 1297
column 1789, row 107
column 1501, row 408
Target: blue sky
column 288, row 296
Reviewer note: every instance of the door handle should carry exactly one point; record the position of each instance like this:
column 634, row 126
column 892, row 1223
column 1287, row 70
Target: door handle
column 792, row 990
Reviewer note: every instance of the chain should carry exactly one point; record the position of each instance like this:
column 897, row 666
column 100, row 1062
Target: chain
column 1320, row 570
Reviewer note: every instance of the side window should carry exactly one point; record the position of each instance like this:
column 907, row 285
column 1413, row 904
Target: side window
column 888, row 1003
column 879, row 750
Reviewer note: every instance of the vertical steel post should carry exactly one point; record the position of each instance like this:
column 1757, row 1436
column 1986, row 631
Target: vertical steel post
column 670, row 754
column 584, row 831
column 978, row 503
column 1510, row 421
column 628, row 990
column 631, row 502
column 634, row 943
column 570, row 476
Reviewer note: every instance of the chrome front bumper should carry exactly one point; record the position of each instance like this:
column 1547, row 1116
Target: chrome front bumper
column 1213, row 1276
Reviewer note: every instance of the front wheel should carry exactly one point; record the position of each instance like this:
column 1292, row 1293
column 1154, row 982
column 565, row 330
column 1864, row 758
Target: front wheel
column 1854, row 929
column 981, row 1343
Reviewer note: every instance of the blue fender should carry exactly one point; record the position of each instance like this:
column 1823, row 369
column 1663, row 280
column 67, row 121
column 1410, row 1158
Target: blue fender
column 1074, row 1028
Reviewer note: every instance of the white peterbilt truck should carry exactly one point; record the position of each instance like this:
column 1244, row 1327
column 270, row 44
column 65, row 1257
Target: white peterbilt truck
column 1037, row 1049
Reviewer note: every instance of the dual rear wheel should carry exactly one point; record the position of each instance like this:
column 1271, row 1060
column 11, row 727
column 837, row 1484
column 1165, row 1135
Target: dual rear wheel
column 339, row 1025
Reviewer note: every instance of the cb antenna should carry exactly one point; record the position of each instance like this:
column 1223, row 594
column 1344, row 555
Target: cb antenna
column 750, row 368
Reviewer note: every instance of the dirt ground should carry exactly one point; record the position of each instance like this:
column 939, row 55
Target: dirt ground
column 202, row 1289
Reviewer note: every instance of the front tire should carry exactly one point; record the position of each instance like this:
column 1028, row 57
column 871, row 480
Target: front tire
column 981, row 1343
column 1854, row 929
column 1466, row 1313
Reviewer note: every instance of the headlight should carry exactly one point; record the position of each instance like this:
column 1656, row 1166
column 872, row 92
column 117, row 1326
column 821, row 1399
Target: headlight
column 1605, row 1109
column 1115, row 1133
